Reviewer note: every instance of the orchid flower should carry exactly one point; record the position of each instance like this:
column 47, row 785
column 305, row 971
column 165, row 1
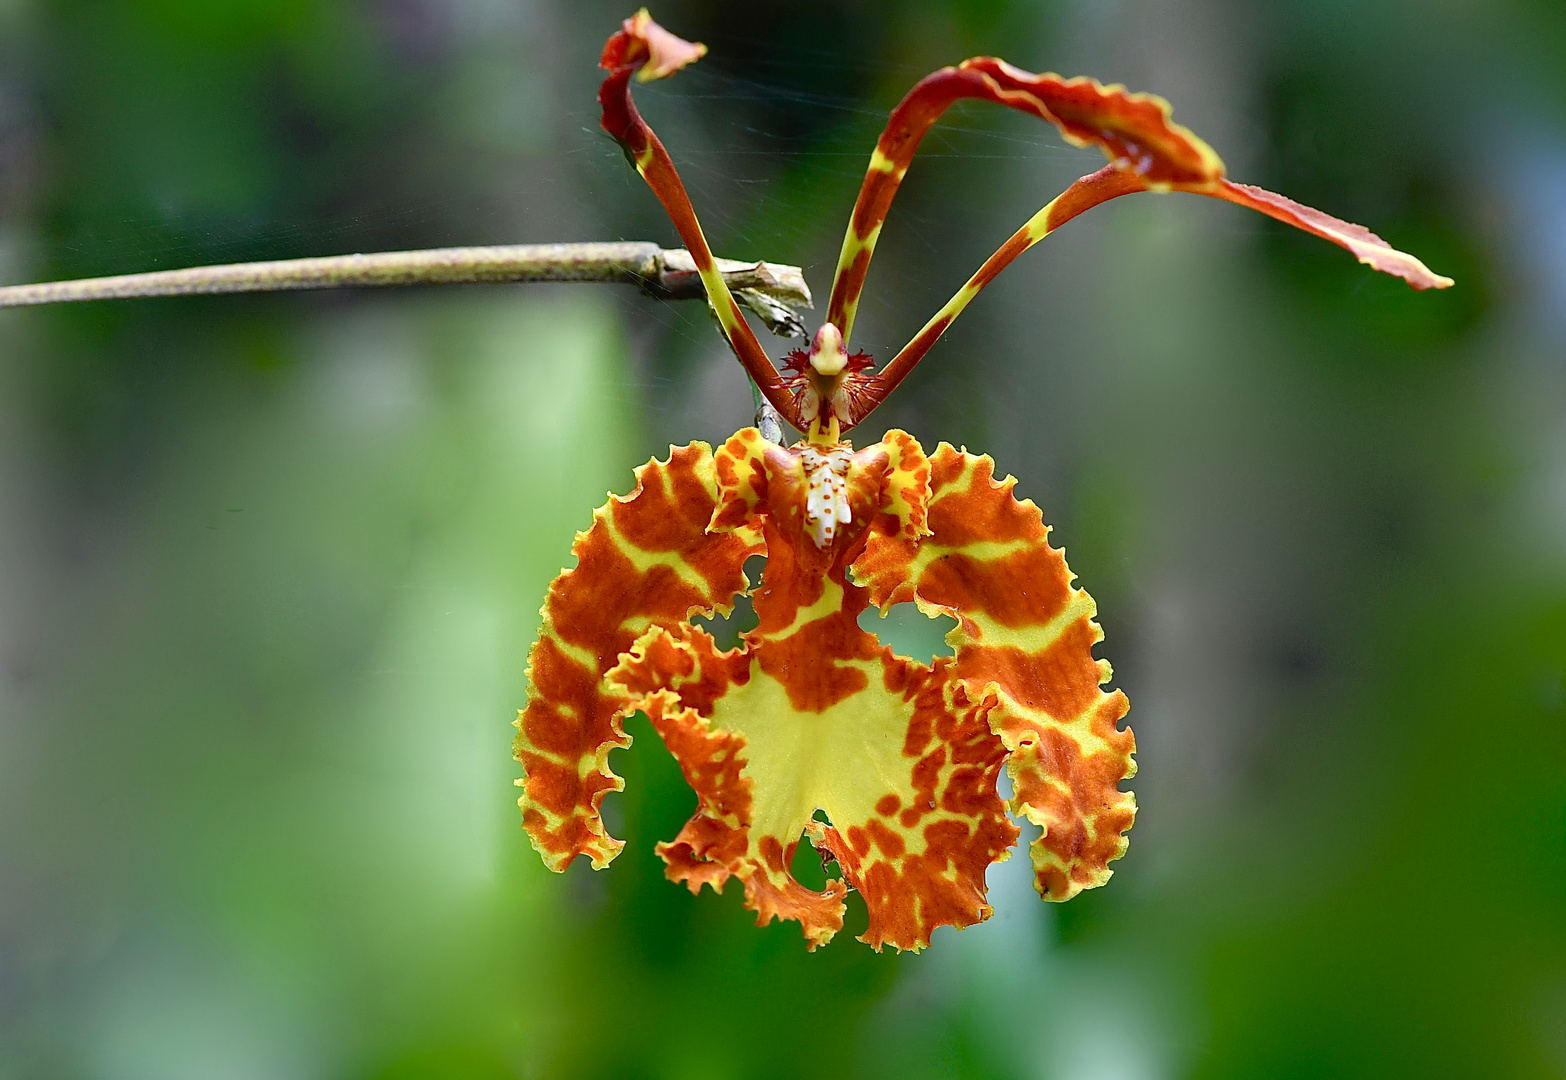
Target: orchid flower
column 812, row 727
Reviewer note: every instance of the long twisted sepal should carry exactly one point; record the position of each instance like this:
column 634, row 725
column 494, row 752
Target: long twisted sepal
column 1147, row 151
column 645, row 51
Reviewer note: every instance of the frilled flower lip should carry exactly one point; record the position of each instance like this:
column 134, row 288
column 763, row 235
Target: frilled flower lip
column 811, row 713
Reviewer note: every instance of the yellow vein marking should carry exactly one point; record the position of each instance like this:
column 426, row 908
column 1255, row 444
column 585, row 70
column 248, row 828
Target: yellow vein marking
column 644, row 561
column 1036, row 639
column 831, row 600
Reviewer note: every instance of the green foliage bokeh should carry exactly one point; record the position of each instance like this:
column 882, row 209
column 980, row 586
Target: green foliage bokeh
column 270, row 566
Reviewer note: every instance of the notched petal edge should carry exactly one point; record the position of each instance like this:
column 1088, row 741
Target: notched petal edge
column 1024, row 646
column 647, row 560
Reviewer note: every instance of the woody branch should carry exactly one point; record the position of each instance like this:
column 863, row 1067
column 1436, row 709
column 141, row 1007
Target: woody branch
column 774, row 291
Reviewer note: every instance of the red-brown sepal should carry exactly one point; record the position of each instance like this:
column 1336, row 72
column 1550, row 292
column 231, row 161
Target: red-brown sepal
column 646, row 50
column 1365, row 245
column 1136, row 133
column 1134, row 130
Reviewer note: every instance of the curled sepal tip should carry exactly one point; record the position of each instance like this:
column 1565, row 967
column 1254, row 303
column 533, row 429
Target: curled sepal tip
column 643, row 44
column 645, row 50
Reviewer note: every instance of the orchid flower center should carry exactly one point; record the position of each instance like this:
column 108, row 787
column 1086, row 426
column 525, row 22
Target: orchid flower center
column 824, row 402
column 826, row 492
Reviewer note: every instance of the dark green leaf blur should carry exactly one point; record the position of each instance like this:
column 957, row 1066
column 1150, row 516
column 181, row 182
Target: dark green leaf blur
column 270, row 566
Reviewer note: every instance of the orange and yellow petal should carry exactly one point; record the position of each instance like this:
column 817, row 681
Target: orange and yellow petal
column 812, row 715
column 648, row 560
column 906, row 781
column 1024, row 641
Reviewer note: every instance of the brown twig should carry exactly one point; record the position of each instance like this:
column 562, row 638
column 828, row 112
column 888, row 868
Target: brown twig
column 775, row 292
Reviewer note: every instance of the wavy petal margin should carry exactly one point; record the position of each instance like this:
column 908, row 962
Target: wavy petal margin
column 647, row 561
column 814, row 714
column 813, row 728
column 1024, row 646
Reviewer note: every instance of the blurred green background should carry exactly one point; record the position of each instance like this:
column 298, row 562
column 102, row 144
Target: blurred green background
column 270, row 566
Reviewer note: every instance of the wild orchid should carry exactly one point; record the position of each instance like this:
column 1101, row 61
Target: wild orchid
column 812, row 727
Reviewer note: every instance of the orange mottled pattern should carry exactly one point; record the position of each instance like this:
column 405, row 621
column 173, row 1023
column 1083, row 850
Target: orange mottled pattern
column 813, row 727
column 648, row 561
column 955, row 810
column 814, row 714
column 1024, row 643
column 676, row 678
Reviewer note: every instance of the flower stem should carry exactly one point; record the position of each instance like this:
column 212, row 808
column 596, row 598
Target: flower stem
column 772, row 290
